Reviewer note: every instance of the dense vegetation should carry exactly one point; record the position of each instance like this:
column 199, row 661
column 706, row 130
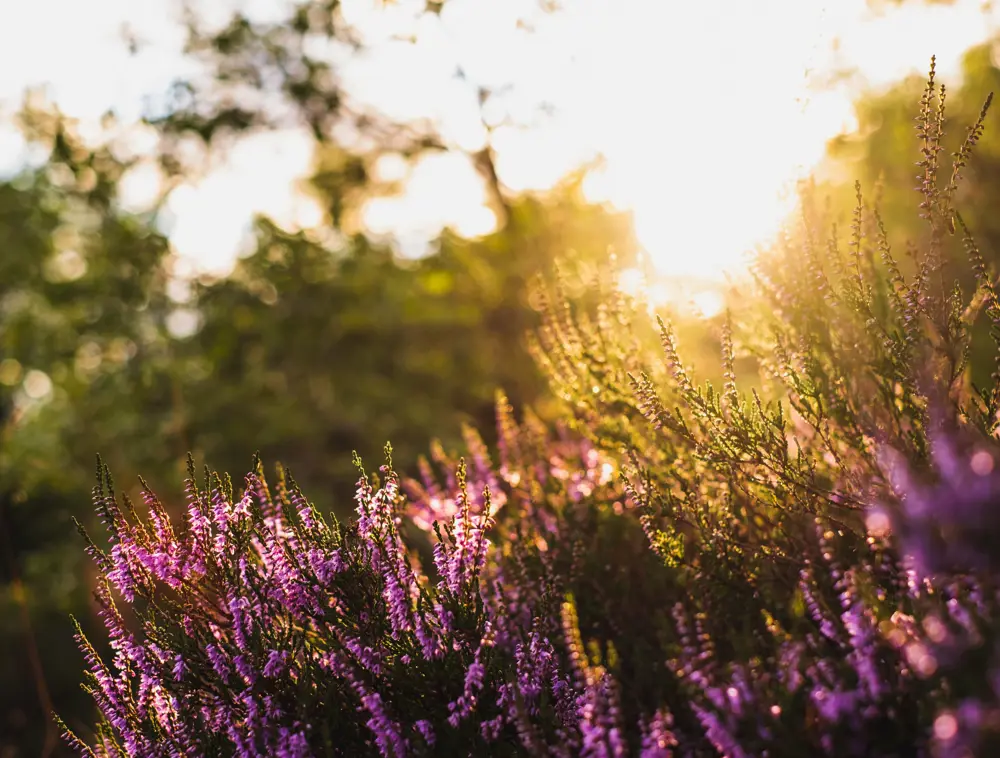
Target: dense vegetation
column 302, row 352
column 801, row 567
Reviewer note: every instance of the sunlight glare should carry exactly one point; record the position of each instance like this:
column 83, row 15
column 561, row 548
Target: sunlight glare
column 631, row 281
column 210, row 215
column 441, row 190
column 706, row 117
column 140, row 187
column 705, row 114
column 708, row 303
column 724, row 110
column 705, row 158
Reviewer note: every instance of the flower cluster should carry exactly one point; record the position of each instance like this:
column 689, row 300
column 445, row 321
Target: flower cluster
column 263, row 629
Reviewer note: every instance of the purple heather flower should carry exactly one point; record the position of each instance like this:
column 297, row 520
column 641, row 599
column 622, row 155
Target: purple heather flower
column 658, row 739
column 387, row 733
column 426, row 730
column 464, row 705
column 218, row 661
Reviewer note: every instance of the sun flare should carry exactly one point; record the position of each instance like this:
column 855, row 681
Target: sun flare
column 702, row 120
column 707, row 153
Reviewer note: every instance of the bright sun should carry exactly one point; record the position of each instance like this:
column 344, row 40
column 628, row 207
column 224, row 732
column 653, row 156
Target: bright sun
column 705, row 152
column 707, row 146
column 705, row 114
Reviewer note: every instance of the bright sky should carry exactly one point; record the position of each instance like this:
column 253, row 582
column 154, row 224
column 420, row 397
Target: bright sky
column 705, row 111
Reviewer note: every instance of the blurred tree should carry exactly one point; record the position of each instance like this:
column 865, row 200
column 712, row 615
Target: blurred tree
column 317, row 344
column 307, row 353
column 280, row 74
column 329, row 343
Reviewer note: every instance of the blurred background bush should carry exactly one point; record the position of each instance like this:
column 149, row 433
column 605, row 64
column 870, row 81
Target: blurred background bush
column 376, row 287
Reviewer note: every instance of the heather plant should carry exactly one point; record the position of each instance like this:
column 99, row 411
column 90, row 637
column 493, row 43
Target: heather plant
column 855, row 355
column 762, row 500
column 804, row 568
column 265, row 628
column 570, row 562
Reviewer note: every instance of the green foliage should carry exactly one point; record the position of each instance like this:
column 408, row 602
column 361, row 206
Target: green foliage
column 879, row 155
column 305, row 352
column 82, row 354
column 855, row 356
column 316, row 345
